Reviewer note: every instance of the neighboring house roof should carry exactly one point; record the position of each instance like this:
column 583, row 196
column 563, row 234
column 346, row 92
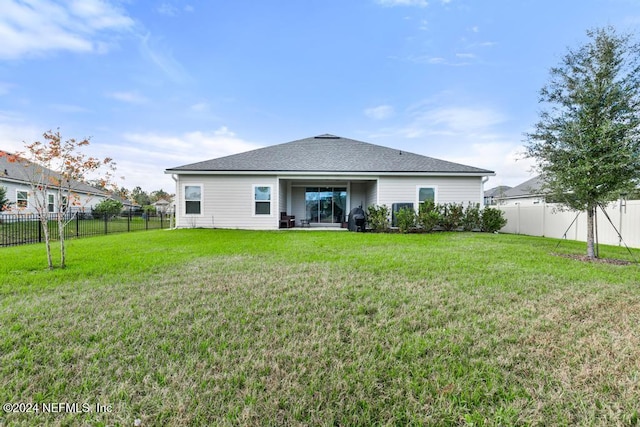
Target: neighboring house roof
column 20, row 171
column 496, row 191
column 530, row 188
column 329, row 153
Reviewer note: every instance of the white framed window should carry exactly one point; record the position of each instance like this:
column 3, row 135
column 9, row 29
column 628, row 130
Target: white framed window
column 262, row 197
column 51, row 203
column 193, row 199
column 426, row 194
column 22, row 198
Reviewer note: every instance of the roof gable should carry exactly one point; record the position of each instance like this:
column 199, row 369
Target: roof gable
column 328, row 153
column 531, row 187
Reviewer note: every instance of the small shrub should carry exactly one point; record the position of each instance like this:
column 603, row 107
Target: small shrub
column 406, row 219
column 451, row 216
column 378, row 217
column 492, row 220
column 428, row 216
column 108, row 207
column 149, row 209
column 472, row 217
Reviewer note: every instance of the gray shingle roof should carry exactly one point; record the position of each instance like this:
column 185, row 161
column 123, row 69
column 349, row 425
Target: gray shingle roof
column 497, row 191
column 329, row 153
column 23, row 171
column 532, row 187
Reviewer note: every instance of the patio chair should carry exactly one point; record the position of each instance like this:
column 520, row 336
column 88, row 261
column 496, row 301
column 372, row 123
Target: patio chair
column 287, row 221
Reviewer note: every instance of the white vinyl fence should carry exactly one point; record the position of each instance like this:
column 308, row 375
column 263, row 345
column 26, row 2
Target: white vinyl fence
column 548, row 221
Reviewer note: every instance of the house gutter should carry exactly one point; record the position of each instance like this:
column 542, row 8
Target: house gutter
column 484, row 181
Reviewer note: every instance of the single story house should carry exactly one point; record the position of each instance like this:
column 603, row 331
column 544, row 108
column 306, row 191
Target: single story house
column 16, row 178
column 528, row 193
column 318, row 180
column 494, row 193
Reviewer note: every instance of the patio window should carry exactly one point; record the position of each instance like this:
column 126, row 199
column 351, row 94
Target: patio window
column 262, row 199
column 22, row 199
column 193, row 199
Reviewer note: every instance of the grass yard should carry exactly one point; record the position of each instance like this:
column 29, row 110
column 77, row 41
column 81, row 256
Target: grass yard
column 215, row 327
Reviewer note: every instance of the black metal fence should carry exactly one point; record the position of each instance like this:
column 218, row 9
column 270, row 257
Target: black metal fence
column 20, row 229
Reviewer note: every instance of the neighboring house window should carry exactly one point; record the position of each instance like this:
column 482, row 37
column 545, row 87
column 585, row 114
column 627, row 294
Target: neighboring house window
column 51, row 203
column 22, row 199
column 262, row 199
column 193, row 199
column 426, row 194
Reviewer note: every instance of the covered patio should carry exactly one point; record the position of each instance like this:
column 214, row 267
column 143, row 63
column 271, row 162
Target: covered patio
column 324, row 203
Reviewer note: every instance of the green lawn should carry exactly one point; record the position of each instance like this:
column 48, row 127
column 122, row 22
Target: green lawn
column 214, row 327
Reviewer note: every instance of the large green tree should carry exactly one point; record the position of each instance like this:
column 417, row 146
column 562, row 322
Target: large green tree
column 586, row 142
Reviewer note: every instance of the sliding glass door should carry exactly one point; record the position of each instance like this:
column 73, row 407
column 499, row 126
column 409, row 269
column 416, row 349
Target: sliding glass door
column 326, row 205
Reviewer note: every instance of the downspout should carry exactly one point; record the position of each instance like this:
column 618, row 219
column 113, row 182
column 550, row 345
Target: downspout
column 484, row 181
column 171, row 225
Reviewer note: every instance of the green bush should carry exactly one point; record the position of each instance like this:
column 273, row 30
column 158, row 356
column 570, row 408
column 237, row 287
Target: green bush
column 406, row 219
column 492, row 220
column 428, row 216
column 108, row 207
column 451, row 216
column 472, row 217
column 378, row 217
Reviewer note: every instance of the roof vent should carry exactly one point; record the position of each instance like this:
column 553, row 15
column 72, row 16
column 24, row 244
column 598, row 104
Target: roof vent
column 327, row 136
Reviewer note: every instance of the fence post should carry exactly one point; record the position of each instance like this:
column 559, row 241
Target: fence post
column 146, row 221
column 161, row 221
column 106, row 218
column 39, row 231
column 129, row 220
column 77, row 224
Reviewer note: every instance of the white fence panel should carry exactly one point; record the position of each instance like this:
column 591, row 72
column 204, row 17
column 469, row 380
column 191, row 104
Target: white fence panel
column 549, row 221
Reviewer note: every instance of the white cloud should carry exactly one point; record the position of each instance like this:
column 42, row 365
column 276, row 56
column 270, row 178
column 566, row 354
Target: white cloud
column 470, row 135
column 35, row 27
column 505, row 158
column 143, row 157
column 419, row 3
column 163, row 59
column 438, row 60
column 128, row 97
column 380, row 112
column 200, row 107
column 452, row 121
column 167, row 9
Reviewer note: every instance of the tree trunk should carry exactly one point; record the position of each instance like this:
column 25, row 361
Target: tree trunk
column 44, row 220
column 591, row 212
column 61, row 226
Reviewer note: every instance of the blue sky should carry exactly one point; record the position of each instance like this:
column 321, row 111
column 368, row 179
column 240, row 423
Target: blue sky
column 158, row 84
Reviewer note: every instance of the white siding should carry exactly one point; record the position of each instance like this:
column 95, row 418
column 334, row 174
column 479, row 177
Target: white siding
column 298, row 208
column 448, row 189
column 282, row 200
column 358, row 195
column 228, row 202
column 84, row 201
column 372, row 195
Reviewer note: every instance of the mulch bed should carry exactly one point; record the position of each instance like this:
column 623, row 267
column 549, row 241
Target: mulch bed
column 584, row 258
